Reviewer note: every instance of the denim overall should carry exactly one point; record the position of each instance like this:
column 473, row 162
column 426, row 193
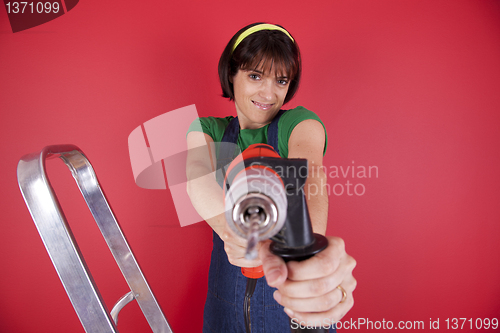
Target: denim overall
column 226, row 284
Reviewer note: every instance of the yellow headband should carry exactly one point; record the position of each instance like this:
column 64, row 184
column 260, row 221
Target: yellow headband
column 259, row 27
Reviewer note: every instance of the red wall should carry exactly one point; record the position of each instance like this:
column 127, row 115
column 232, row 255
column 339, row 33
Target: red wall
column 411, row 87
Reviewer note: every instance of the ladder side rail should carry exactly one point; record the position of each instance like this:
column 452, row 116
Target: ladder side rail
column 60, row 244
column 90, row 188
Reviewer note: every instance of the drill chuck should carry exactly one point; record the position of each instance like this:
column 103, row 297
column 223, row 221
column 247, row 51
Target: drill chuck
column 256, row 205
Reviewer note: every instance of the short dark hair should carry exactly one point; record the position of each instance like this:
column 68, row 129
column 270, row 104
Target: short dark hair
column 265, row 49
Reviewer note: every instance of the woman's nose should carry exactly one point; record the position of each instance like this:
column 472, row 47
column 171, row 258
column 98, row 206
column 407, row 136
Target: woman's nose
column 267, row 89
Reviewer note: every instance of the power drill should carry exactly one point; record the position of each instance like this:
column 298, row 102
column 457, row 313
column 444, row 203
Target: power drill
column 264, row 199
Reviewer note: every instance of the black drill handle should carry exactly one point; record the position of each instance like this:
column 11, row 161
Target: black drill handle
column 321, row 243
column 296, row 240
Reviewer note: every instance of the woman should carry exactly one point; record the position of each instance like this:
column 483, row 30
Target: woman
column 260, row 71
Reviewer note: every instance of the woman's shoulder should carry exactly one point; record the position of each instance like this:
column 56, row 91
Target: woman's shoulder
column 301, row 113
column 213, row 126
column 296, row 115
column 216, row 122
column 290, row 119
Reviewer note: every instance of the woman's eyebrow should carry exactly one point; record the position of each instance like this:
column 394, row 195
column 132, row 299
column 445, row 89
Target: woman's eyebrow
column 256, row 71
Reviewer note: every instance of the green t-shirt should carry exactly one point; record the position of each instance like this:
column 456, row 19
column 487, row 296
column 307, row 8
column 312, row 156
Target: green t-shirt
column 215, row 128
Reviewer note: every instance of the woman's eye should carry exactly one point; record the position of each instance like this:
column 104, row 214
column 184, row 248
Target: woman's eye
column 254, row 76
column 282, row 82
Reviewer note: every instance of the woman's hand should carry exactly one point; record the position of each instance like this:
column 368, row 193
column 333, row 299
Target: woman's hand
column 308, row 289
column 235, row 248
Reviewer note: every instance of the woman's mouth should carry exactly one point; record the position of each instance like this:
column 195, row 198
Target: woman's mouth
column 262, row 106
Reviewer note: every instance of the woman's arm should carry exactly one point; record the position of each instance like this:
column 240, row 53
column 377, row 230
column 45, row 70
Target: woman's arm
column 308, row 141
column 207, row 196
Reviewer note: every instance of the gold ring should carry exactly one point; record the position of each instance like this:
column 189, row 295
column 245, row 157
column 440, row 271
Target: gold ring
column 344, row 293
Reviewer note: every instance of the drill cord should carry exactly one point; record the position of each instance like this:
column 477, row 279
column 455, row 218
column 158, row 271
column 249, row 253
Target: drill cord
column 251, row 283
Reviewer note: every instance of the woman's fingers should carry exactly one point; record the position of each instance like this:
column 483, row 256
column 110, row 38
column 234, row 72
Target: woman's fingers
column 320, row 303
column 309, row 289
column 322, row 264
column 274, row 267
column 235, row 248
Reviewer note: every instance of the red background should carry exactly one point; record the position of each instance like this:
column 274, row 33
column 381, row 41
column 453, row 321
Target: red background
column 412, row 87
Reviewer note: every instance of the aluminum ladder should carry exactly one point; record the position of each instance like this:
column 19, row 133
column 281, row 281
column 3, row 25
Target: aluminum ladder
column 63, row 250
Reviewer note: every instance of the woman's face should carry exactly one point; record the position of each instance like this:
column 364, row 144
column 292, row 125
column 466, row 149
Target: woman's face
column 258, row 96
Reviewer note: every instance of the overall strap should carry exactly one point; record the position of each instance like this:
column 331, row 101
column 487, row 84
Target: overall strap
column 228, row 149
column 232, row 131
column 272, row 131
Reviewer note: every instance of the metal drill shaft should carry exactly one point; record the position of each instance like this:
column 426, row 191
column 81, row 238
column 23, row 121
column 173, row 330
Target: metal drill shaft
column 254, row 218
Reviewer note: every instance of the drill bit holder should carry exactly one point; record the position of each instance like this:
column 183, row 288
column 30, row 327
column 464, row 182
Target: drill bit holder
column 256, row 205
